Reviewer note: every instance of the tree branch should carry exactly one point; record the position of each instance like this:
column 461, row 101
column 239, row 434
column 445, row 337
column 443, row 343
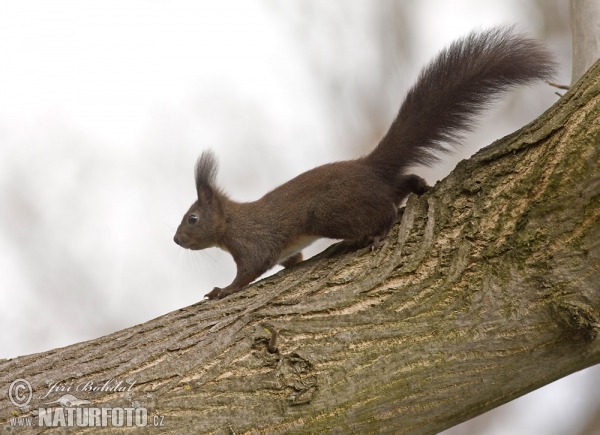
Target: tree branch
column 585, row 26
column 486, row 289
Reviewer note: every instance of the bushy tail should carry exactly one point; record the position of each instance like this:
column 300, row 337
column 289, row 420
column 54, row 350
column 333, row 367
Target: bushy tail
column 452, row 90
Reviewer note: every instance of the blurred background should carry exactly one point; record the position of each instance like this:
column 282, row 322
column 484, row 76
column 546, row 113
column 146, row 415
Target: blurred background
column 104, row 107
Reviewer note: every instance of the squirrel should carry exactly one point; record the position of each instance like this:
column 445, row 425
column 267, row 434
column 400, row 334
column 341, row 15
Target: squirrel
column 357, row 200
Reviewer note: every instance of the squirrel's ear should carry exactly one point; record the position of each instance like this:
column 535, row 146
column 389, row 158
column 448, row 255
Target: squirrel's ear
column 205, row 194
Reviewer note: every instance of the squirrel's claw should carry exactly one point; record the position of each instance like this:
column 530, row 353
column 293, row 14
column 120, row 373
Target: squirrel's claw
column 214, row 294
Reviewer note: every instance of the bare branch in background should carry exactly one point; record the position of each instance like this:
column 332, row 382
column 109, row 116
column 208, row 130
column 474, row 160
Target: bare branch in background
column 585, row 16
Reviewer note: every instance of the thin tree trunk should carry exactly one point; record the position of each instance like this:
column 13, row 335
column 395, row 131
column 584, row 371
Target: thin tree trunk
column 486, row 289
column 585, row 25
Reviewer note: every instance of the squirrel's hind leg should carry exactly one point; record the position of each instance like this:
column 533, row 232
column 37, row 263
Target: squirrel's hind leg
column 292, row 260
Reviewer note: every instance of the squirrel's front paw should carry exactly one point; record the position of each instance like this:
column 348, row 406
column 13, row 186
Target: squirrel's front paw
column 214, row 294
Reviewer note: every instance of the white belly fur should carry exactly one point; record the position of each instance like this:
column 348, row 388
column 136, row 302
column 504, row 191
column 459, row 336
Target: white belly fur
column 296, row 246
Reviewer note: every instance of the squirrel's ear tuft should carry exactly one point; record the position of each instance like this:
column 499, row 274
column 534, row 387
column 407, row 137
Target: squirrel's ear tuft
column 205, row 194
column 205, row 174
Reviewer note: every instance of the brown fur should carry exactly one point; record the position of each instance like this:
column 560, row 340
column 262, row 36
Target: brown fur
column 357, row 200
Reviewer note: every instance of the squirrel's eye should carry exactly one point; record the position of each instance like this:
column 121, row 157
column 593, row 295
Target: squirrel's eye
column 193, row 219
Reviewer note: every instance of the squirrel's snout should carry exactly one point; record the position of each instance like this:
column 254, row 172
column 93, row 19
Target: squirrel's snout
column 176, row 240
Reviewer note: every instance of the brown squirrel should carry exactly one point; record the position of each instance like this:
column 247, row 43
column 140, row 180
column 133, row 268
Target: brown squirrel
column 357, row 200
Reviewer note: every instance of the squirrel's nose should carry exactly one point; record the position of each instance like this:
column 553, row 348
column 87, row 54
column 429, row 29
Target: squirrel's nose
column 176, row 240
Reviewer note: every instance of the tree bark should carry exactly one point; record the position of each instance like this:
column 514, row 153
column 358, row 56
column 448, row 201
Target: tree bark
column 486, row 289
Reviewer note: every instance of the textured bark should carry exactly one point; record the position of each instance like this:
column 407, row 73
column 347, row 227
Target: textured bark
column 486, row 289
